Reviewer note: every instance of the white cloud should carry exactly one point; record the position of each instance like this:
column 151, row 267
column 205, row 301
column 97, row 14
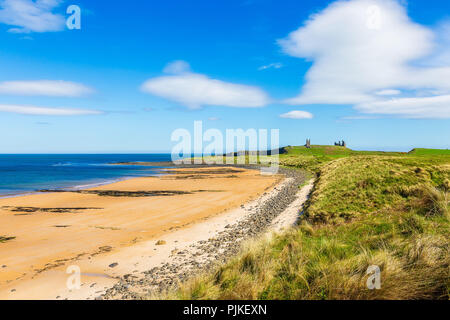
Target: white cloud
column 32, row 110
column 437, row 107
column 388, row 92
column 361, row 49
column 362, row 117
column 213, row 119
column 441, row 52
column 196, row 90
column 31, row 15
column 276, row 65
column 177, row 67
column 44, row 88
column 297, row 114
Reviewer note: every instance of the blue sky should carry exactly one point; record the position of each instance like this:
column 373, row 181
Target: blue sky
column 116, row 85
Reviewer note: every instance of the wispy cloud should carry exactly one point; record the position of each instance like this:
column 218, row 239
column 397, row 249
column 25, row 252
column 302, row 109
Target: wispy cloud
column 297, row 114
column 360, row 117
column 388, row 92
column 177, row 67
column 196, row 90
column 417, row 107
column 31, row 16
column 276, row 65
column 44, row 111
column 362, row 51
column 45, row 88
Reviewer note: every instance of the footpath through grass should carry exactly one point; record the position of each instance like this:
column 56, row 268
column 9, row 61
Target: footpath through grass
column 390, row 210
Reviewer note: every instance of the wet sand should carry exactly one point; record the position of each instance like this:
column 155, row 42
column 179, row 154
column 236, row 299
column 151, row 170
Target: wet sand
column 55, row 230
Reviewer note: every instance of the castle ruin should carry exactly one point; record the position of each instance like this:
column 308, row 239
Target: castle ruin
column 341, row 144
column 308, row 143
column 338, row 144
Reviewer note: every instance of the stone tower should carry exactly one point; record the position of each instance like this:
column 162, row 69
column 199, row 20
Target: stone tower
column 308, row 143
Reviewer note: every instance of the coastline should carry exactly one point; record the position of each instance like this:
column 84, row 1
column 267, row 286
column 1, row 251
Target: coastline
column 25, row 174
column 75, row 187
column 203, row 246
column 159, row 172
column 96, row 227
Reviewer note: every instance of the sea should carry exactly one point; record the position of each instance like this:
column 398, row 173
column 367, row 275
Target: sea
column 24, row 174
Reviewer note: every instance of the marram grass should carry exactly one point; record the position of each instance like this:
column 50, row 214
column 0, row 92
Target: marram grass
column 391, row 211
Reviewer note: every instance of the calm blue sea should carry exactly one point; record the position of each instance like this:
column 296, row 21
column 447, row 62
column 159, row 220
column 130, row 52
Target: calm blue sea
column 27, row 173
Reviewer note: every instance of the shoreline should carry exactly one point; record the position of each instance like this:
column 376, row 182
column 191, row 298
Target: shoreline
column 90, row 185
column 89, row 233
column 274, row 211
column 77, row 187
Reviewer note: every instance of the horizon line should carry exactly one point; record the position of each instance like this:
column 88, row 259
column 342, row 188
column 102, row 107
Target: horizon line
column 380, row 149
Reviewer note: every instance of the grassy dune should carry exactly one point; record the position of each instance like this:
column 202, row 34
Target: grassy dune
column 426, row 152
column 385, row 209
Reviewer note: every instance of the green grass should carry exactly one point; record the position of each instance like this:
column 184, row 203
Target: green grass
column 366, row 184
column 317, row 150
column 426, row 152
column 332, row 151
column 312, row 159
column 384, row 209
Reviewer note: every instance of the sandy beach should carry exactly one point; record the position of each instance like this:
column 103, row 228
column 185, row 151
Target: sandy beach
column 112, row 230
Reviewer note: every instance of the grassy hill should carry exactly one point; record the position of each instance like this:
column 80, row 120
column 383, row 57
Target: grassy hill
column 336, row 151
column 333, row 151
column 317, row 150
column 391, row 210
column 429, row 152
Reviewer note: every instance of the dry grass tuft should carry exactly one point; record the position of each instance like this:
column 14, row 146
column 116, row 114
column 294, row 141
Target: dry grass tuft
column 431, row 201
